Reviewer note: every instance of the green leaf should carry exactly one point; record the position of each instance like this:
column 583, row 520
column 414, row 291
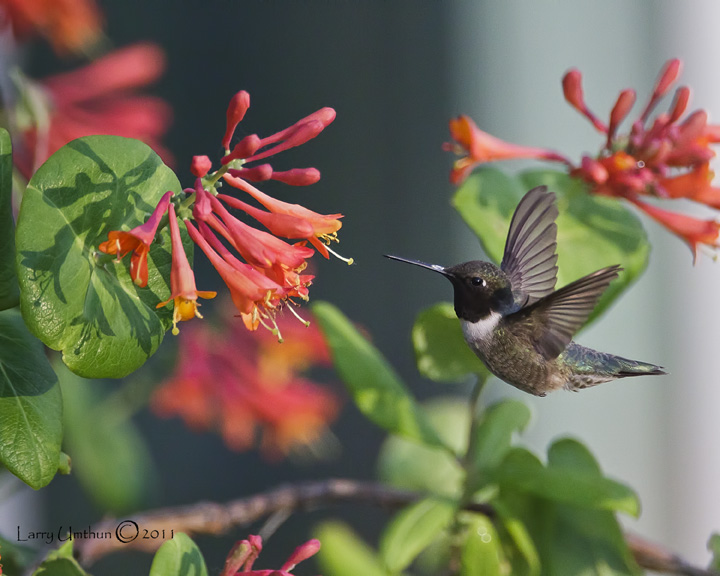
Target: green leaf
column 16, row 558
column 376, row 389
column 440, row 349
column 493, row 436
column 522, row 471
column 30, row 405
column 482, row 551
column 524, row 556
column 413, row 529
column 60, row 562
column 178, row 557
column 714, row 546
column 109, row 456
column 413, row 466
column 343, row 553
column 72, row 297
column 593, row 231
column 9, row 293
column 567, row 508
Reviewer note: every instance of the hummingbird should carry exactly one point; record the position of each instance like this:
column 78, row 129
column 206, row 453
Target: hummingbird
column 515, row 321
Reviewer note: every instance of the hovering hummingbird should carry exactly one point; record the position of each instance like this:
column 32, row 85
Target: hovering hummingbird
column 518, row 324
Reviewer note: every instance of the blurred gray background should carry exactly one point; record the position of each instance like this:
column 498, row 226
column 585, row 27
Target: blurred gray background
column 396, row 71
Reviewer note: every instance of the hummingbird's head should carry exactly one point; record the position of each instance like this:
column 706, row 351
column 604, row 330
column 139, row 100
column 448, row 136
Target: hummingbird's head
column 480, row 287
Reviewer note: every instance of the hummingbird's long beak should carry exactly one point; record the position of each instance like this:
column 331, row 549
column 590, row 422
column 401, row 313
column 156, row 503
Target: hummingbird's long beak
column 433, row 267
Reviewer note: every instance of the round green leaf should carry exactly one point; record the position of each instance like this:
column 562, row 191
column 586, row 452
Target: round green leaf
column 30, row 405
column 178, row 557
column 343, row 553
column 482, row 553
column 8, row 280
column 72, row 297
column 413, row 529
column 413, row 466
column 593, row 231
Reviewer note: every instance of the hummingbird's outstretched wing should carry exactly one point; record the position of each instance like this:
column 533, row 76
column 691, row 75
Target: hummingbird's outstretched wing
column 551, row 322
column 530, row 250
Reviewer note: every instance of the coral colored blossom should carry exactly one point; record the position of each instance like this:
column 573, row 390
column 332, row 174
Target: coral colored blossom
column 184, row 294
column 264, row 270
column 243, row 555
column 137, row 241
column 666, row 156
column 248, row 387
column 100, row 98
column 69, row 25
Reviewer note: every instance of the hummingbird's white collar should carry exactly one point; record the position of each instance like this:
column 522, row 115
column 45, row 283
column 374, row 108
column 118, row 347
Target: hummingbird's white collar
column 482, row 329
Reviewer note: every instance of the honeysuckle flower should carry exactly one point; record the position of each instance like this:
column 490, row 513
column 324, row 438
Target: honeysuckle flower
column 263, row 272
column 69, row 25
column 324, row 226
column 250, row 291
column 243, row 555
column 184, row 293
column 477, row 147
column 665, row 157
column 100, row 98
column 695, row 231
column 249, row 388
column 137, row 241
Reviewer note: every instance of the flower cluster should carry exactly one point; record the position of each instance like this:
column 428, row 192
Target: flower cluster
column 69, row 25
column 665, row 157
column 263, row 272
column 241, row 558
column 245, row 384
column 100, row 98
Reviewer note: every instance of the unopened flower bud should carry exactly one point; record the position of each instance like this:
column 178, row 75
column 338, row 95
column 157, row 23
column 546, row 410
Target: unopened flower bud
column 200, row 166
column 237, row 108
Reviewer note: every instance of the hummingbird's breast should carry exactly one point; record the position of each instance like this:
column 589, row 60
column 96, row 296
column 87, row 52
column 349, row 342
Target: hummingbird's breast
column 511, row 359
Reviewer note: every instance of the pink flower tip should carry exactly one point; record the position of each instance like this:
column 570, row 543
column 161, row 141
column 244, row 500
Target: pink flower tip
column 244, row 149
column 298, row 176
column 236, row 111
column 302, row 552
column 668, row 76
column 572, row 89
column 200, row 166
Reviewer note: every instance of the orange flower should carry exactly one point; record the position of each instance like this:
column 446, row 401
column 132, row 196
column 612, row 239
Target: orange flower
column 477, row 147
column 241, row 383
column 99, row 98
column 324, row 226
column 665, row 157
column 69, row 25
column 137, row 240
column 693, row 230
column 251, row 291
column 243, row 555
column 182, row 280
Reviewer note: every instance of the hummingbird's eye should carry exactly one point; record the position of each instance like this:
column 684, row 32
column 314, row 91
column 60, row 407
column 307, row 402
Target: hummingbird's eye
column 477, row 281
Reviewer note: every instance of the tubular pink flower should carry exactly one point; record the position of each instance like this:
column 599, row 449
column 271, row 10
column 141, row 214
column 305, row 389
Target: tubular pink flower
column 622, row 107
column 572, row 88
column 182, row 280
column 137, row 240
column 668, row 76
column 236, row 111
column 283, row 225
column 480, row 147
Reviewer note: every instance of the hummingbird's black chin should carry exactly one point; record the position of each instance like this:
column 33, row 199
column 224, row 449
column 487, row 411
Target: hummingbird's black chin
column 434, row 267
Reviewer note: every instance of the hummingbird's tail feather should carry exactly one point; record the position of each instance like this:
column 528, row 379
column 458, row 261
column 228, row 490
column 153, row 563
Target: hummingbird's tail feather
column 590, row 367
